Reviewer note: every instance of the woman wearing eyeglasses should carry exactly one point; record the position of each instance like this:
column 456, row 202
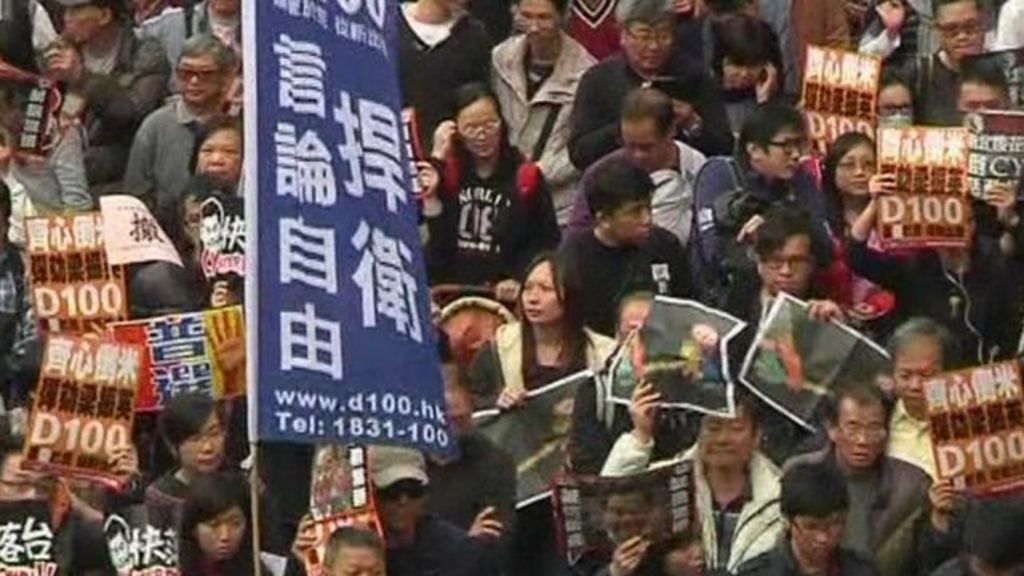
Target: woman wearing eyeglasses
column 488, row 210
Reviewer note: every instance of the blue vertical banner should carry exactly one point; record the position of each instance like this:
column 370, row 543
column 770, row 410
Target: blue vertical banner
column 341, row 345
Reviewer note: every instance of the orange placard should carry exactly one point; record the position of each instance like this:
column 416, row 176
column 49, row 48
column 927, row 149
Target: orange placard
column 84, row 407
column 977, row 427
column 840, row 93
column 930, row 208
column 74, row 289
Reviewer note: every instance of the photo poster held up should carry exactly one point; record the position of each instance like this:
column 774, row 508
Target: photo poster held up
column 840, row 94
column 795, row 361
column 683, row 351
column 535, row 435
column 595, row 514
column 340, row 495
column 976, row 422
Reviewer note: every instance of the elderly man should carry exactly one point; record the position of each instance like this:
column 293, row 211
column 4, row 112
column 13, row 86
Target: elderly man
column 648, row 59
column 118, row 78
column 886, row 495
column 162, row 152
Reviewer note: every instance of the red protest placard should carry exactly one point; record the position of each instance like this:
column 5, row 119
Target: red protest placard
column 74, row 289
column 84, row 407
column 930, row 208
column 976, row 421
column 840, row 91
column 187, row 353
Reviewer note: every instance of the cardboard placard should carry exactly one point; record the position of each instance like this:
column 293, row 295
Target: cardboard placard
column 27, row 543
column 138, row 547
column 840, row 93
column 131, row 233
column 535, row 435
column 683, row 350
column 74, row 288
column 996, row 150
column 976, row 419
column 187, row 353
column 84, row 407
column 795, row 360
column 597, row 513
column 930, row 208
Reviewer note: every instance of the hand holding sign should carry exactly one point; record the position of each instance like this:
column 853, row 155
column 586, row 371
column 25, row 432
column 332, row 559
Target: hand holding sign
column 942, row 497
column 628, row 556
column 644, row 411
column 486, row 524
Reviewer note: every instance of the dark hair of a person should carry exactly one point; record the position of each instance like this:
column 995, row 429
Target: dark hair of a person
column 815, row 490
column 892, row 77
column 614, row 183
column 653, row 563
column 208, row 497
column 508, row 157
column 985, row 73
column 747, row 406
column 184, row 416
column 210, row 129
column 763, row 125
column 644, row 104
column 781, row 223
column 560, row 5
column 351, row 537
column 744, row 40
column 939, row 4
column 572, row 334
column 723, row 7
column 862, row 394
column 833, row 197
column 5, row 201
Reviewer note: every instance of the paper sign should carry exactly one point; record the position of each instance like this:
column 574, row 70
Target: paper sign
column 930, row 208
column 222, row 237
column 137, row 547
column 682, row 350
column 996, row 150
column 795, row 360
column 596, row 514
column 976, row 421
column 131, row 233
column 74, row 288
column 536, row 435
column 84, row 407
column 39, row 100
column 187, row 353
column 840, row 93
column 27, row 543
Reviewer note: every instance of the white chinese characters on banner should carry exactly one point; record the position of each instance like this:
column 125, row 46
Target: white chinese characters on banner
column 304, row 168
column 311, row 343
column 372, row 149
column 388, row 289
column 26, row 542
column 301, row 84
column 308, row 255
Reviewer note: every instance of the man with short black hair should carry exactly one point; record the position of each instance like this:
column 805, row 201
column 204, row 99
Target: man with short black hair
column 993, row 533
column 624, row 251
column 648, row 59
column 886, row 495
column 119, row 77
column 815, row 504
column 732, row 195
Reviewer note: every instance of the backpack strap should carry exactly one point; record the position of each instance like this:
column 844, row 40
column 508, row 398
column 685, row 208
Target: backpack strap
column 190, row 17
column 545, row 132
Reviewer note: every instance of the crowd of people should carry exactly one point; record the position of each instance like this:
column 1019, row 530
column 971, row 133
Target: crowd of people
column 579, row 158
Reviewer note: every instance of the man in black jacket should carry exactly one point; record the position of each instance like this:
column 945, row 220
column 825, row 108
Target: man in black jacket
column 815, row 504
column 647, row 59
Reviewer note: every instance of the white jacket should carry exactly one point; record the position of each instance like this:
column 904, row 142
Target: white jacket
column 760, row 523
column 525, row 117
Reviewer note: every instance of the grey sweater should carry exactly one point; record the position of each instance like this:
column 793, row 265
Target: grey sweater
column 161, row 154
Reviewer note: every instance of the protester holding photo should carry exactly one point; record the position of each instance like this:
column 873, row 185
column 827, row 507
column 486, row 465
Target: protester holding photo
column 496, row 212
column 548, row 343
column 952, row 286
column 815, row 503
column 887, row 495
column 737, row 488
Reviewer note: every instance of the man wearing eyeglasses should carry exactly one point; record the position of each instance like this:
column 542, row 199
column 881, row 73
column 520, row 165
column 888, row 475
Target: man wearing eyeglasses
column 118, row 78
column 649, row 59
column 815, row 504
column 934, row 79
column 886, row 494
column 161, row 155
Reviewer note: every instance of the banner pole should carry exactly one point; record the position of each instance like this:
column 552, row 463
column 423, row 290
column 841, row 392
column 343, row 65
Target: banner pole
column 254, row 503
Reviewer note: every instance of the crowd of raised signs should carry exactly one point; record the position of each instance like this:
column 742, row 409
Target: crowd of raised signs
column 720, row 287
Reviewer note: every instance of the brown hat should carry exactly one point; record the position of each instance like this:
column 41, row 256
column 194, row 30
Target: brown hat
column 391, row 464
